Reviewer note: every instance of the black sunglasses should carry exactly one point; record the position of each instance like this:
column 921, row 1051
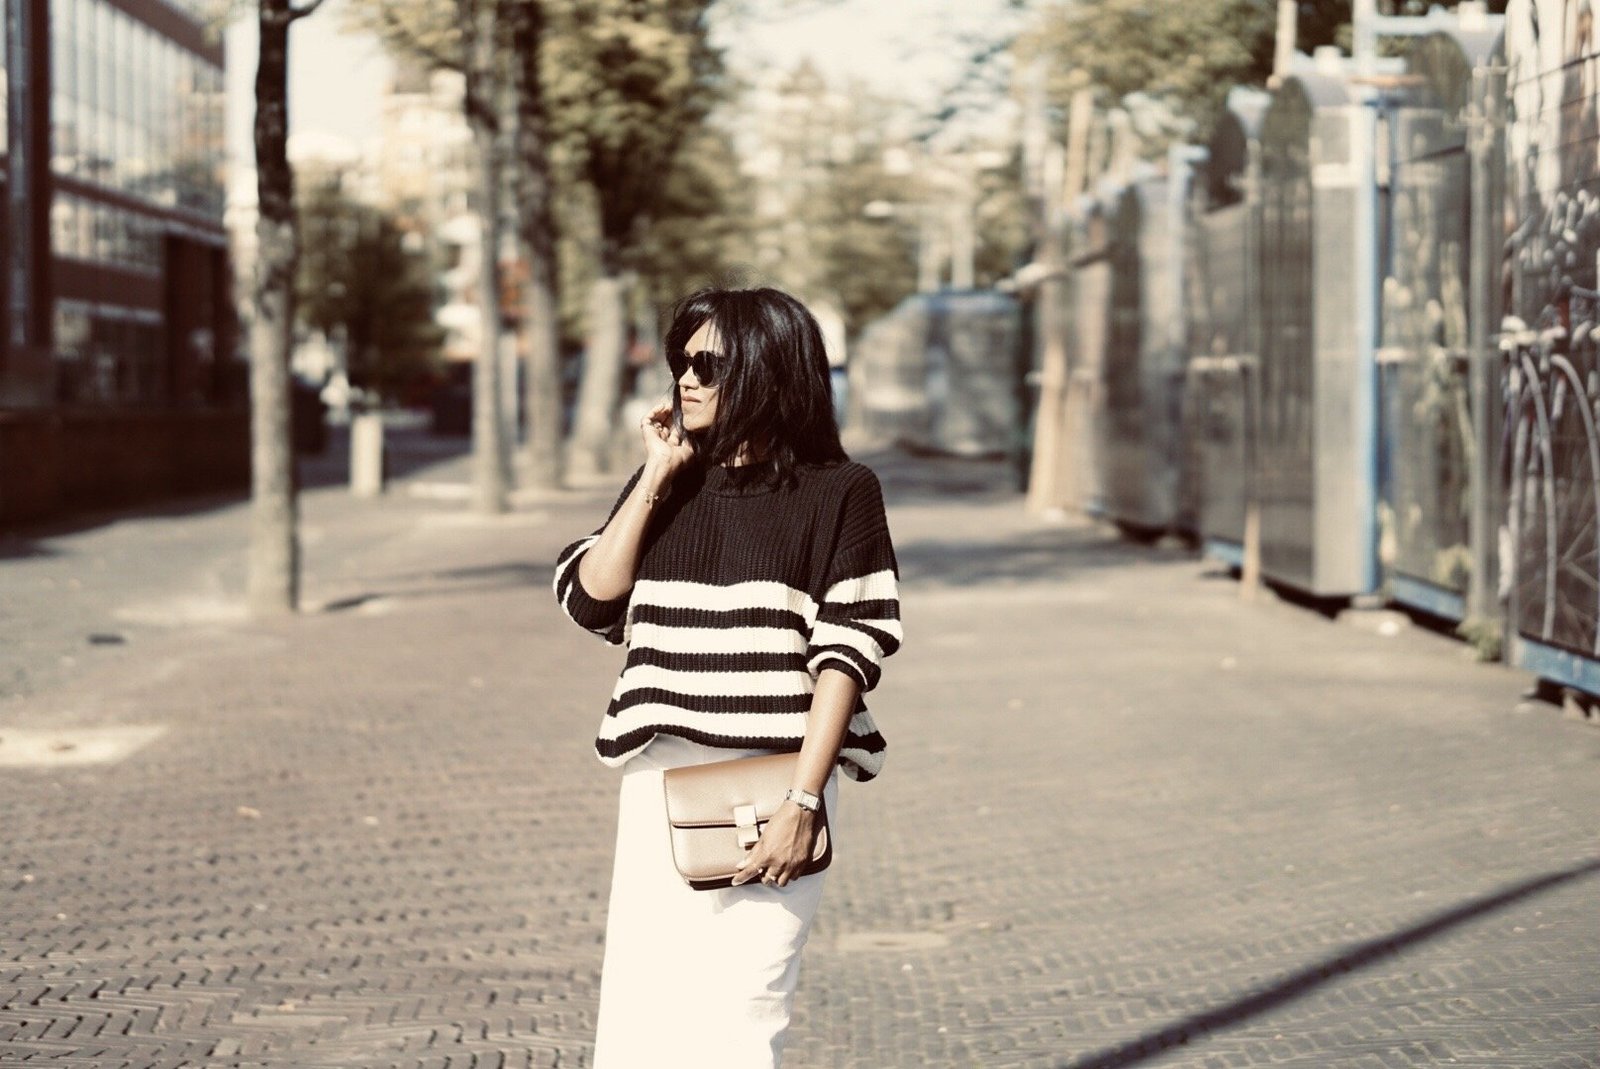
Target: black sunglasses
column 706, row 365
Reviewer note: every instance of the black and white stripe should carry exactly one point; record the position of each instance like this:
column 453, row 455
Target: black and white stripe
column 743, row 597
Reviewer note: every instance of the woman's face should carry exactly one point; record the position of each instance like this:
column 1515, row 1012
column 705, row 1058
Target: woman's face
column 698, row 400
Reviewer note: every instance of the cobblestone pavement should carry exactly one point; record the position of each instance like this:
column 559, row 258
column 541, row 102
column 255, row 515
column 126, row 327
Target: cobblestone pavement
column 1127, row 820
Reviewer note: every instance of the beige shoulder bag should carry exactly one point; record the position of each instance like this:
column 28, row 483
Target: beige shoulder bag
column 716, row 813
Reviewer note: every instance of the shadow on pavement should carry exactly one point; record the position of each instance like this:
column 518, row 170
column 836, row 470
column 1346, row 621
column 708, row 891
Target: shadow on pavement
column 479, row 578
column 1301, row 983
column 913, row 479
column 15, row 547
column 1052, row 556
column 406, row 452
column 27, row 540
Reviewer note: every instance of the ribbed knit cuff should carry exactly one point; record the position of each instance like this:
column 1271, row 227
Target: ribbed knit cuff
column 592, row 612
column 843, row 664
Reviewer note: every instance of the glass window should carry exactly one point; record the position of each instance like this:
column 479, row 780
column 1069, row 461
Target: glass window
column 132, row 110
column 82, row 229
column 5, row 111
column 72, row 329
column 83, row 85
column 102, row 232
column 105, row 88
column 102, row 370
column 113, row 103
column 63, row 109
column 61, row 225
column 90, row 66
column 5, row 88
column 142, row 87
column 71, row 345
column 126, row 99
column 149, row 244
column 187, row 116
column 215, row 147
column 167, row 121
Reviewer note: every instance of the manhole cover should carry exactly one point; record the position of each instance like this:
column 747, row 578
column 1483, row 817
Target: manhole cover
column 24, row 748
column 892, row 941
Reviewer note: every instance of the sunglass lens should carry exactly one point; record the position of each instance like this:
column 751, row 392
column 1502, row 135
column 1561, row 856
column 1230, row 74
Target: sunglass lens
column 705, row 367
column 704, row 364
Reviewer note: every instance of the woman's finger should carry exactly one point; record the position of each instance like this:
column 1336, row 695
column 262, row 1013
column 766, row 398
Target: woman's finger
column 751, row 866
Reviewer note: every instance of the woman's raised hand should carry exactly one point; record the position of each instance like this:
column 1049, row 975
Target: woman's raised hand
column 666, row 448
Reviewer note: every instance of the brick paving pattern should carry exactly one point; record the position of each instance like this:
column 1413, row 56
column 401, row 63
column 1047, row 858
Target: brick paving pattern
column 1127, row 820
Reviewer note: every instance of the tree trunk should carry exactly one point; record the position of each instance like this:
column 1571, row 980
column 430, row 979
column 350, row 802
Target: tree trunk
column 544, row 401
column 491, row 469
column 536, row 235
column 599, row 392
column 274, row 565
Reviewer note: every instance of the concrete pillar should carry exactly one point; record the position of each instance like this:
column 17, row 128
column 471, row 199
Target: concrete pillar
column 366, row 455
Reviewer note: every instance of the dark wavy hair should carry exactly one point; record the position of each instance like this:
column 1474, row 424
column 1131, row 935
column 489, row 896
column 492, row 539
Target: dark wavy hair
column 774, row 394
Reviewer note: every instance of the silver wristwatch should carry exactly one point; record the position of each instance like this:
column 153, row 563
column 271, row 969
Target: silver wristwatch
column 804, row 799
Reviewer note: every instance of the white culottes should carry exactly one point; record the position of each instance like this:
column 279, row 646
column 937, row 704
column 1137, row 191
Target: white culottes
column 701, row 979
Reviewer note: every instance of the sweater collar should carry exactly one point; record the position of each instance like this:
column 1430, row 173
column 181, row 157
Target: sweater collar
column 746, row 481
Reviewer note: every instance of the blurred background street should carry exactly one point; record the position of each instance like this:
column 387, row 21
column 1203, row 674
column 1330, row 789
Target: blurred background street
column 1233, row 371
column 1127, row 819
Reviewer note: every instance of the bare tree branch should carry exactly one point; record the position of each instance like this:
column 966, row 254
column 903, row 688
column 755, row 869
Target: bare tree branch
column 408, row 39
column 302, row 12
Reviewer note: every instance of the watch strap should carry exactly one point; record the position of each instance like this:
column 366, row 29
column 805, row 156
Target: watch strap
column 804, row 799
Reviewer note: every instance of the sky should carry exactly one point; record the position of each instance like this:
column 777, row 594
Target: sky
column 903, row 47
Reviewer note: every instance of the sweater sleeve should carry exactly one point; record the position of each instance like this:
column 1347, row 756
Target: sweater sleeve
column 606, row 618
column 858, row 620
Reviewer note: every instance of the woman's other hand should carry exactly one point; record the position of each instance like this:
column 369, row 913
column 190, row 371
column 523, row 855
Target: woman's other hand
column 666, row 449
column 784, row 849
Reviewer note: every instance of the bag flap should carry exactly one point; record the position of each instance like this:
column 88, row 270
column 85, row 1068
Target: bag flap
column 705, row 795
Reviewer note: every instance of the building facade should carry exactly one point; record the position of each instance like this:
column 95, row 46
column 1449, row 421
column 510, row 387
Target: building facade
column 425, row 174
column 116, row 310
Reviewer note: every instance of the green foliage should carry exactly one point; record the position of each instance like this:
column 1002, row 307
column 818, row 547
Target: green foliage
column 357, row 279
column 426, row 30
column 700, row 231
column 868, row 264
column 1002, row 222
column 1186, row 55
column 628, row 82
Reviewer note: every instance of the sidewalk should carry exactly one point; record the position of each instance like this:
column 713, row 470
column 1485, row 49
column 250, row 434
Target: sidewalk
column 1126, row 820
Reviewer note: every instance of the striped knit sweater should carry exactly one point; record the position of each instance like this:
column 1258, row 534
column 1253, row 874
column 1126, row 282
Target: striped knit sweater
column 744, row 594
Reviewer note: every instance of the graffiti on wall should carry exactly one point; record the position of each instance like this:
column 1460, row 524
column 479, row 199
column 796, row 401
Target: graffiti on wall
column 1551, row 343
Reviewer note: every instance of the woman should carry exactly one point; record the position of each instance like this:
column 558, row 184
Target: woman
column 747, row 567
